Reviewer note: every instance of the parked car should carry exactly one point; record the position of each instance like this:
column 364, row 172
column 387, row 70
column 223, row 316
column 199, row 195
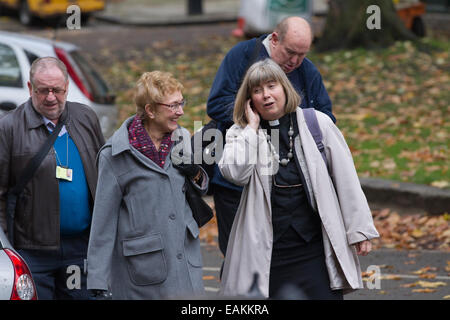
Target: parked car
column 30, row 9
column 18, row 51
column 16, row 282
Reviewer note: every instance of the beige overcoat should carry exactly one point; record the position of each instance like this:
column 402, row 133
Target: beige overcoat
column 248, row 160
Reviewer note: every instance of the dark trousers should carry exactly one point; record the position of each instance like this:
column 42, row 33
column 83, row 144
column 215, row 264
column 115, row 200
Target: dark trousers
column 57, row 273
column 226, row 203
column 298, row 270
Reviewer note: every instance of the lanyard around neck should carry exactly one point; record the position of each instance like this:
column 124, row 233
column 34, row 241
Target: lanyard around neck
column 67, row 153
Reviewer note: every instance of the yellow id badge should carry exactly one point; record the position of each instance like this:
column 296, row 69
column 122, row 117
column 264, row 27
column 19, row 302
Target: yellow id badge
column 63, row 173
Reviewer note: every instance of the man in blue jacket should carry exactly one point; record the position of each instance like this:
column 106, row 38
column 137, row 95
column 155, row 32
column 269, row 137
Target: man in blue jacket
column 287, row 45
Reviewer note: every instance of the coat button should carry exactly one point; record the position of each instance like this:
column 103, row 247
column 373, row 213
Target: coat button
column 179, row 256
column 172, row 216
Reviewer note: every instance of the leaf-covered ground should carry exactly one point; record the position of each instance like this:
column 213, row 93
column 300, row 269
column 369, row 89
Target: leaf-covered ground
column 392, row 105
column 411, row 232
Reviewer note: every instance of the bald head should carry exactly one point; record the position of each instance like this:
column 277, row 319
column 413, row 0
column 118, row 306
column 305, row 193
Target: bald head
column 295, row 26
column 45, row 63
column 291, row 41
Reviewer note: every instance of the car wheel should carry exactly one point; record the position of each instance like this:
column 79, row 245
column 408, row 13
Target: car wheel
column 25, row 16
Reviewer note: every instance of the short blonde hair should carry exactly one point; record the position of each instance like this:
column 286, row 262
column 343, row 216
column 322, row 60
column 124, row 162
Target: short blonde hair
column 151, row 88
column 259, row 73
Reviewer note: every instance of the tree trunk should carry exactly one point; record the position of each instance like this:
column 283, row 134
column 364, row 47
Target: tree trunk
column 346, row 25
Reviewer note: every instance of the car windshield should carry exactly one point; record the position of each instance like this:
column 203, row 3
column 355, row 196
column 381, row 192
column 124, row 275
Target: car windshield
column 99, row 89
column 10, row 75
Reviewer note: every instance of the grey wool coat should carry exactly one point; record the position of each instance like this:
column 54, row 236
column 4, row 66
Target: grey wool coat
column 336, row 196
column 144, row 242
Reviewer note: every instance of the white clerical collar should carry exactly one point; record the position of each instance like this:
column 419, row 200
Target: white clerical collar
column 274, row 123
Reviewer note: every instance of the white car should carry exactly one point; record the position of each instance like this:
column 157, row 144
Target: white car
column 18, row 51
column 16, row 282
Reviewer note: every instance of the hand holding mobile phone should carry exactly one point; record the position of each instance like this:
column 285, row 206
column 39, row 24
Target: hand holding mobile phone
column 252, row 115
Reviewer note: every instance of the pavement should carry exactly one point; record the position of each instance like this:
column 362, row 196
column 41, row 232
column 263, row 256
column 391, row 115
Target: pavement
column 390, row 274
column 169, row 12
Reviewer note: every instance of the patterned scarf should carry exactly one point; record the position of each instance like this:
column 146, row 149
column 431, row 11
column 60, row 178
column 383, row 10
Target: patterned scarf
column 140, row 140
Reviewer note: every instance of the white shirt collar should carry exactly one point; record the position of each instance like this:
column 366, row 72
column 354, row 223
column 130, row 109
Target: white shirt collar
column 47, row 121
column 266, row 43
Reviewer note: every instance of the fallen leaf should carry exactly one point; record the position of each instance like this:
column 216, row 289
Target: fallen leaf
column 428, row 284
column 427, row 290
column 424, row 284
column 409, row 285
column 389, row 164
column 375, row 164
column 417, row 233
column 384, row 213
column 390, row 277
column 424, row 270
column 366, row 274
column 428, row 276
column 385, row 266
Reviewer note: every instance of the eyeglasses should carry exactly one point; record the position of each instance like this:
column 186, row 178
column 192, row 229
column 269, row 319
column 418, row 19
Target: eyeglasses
column 46, row 91
column 174, row 106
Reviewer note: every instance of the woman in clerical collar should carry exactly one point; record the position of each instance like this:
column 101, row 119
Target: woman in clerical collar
column 298, row 226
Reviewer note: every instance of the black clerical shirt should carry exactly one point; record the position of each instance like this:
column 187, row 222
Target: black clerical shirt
column 290, row 206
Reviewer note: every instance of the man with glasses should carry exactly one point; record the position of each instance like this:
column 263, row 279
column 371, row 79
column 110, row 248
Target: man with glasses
column 53, row 212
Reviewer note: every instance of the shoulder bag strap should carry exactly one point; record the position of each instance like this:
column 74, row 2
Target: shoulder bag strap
column 26, row 176
column 313, row 126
